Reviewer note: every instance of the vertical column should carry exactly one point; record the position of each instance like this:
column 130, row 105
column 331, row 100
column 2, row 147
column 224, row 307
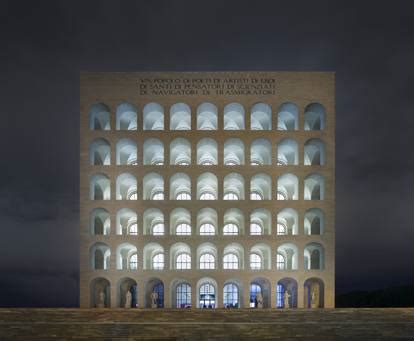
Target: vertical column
column 141, row 294
column 113, row 303
column 246, row 117
column 167, row 296
column 246, row 294
column 301, row 295
column 194, row 294
column 220, row 190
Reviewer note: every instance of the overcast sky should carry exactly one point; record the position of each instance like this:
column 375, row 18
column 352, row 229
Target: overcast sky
column 45, row 44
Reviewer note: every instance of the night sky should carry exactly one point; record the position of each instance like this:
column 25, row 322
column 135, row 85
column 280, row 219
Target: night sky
column 45, row 44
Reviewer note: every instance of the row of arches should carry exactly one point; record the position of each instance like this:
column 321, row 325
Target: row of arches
column 206, row 257
column 207, row 295
column 207, row 152
column 287, row 117
column 287, row 186
column 206, row 222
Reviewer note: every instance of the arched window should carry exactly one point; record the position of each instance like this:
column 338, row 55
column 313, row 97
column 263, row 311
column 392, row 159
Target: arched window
column 153, row 152
column 233, row 183
column 314, row 221
column 230, row 261
column 314, row 153
column 261, row 152
column 207, row 261
column 231, row 296
column 314, row 188
column 287, row 152
column 158, row 261
column 207, row 196
column 183, row 261
column 158, row 229
column 281, row 229
column 158, row 196
column 287, row 117
column 255, row 289
column 133, row 228
column 183, row 294
column 133, row 262
column 256, row 229
column 183, row 196
column 99, row 117
column 233, row 152
column 207, row 117
column 207, row 154
column 126, row 152
column 255, row 261
column 231, row 196
column 287, row 187
column 233, row 117
column 207, row 230
column 183, row 230
column 180, row 117
column 315, row 117
column 153, row 117
column 280, row 262
column 207, row 295
column 180, row 152
column 255, row 196
column 261, row 117
column 126, row 187
column 207, row 187
column 230, row 229
column 99, row 187
column 100, row 153
column 126, row 117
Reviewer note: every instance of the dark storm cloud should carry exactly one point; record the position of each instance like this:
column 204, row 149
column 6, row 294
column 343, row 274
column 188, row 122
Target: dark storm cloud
column 45, row 46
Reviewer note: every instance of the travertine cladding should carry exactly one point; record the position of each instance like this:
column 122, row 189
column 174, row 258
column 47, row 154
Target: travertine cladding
column 300, row 88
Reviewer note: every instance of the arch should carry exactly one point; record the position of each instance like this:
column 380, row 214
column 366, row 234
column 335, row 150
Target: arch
column 315, row 117
column 180, row 117
column 100, row 153
column 126, row 117
column 207, row 221
column 153, row 152
column 233, row 257
column 287, row 117
column 233, row 152
column 124, row 286
column 287, row 222
column 207, row 187
column 99, row 117
column 261, row 152
column 153, row 222
column 287, row 187
column 314, row 188
column 314, row 221
column 99, row 187
column 126, row 222
column 289, row 286
column 153, row 257
column 261, row 117
column 126, row 187
column 180, row 152
column 126, row 152
column 231, row 295
column 234, row 117
column 154, row 285
column 207, row 152
column 207, row 116
column 125, row 257
column 180, row 257
column 99, row 255
column 314, row 293
column 287, row 257
column 314, row 257
column 287, row 152
column 260, row 222
column 180, row 187
column 206, row 256
column 153, row 187
column 181, row 294
column 265, row 254
column 153, row 117
column 100, row 293
column 233, row 222
column 233, row 187
column 260, row 285
column 100, row 222
column 260, row 187
column 180, row 222
column 314, row 153
column 207, row 293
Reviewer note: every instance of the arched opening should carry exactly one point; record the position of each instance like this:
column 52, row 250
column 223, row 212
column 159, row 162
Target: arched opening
column 180, row 222
column 207, row 117
column 126, row 153
column 287, row 187
column 231, row 295
column 261, row 117
column 100, row 153
column 261, row 152
column 314, row 188
column 153, row 188
column 99, row 117
column 287, row 293
column 182, row 295
column 314, row 293
column 314, row 221
column 207, row 187
column 287, row 222
column 315, row 117
column 126, row 222
column 260, row 187
column 233, row 152
column 153, row 152
column 233, row 258
column 180, row 256
column 153, row 257
column 127, row 293
column 154, row 293
column 207, row 152
column 314, row 153
column 126, row 257
column 180, row 152
column 314, row 257
column 233, row 187
column 206, row 292
column 180, row 187
column 100, row 293
column 99, row 187
column 287, row 153
column 207, row 256
column 180, row 117
column 207, row 222
column 260, row 257
column 287, row 257
column 100, row 222
column 99, row 255
column 153, row 117
column 287, row 117
column 233, row 222
column 126, row 117
column 234, row 117
column 260, row 222
column 153, row 222
column 126, row 187
column 260, row 293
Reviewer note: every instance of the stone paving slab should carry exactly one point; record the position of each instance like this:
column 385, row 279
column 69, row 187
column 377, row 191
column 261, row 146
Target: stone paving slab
column 196, row 324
